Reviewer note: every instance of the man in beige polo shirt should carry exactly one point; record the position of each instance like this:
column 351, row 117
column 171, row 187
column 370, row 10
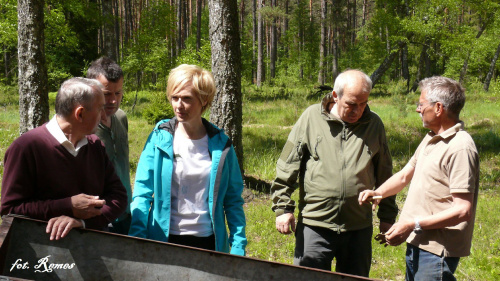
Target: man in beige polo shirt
column 437, row 220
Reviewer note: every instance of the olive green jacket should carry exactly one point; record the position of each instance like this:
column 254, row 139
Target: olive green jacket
column 115, row 140
column 334, row 162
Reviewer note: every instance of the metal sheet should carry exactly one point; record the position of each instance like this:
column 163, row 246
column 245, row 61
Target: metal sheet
column 26, row 252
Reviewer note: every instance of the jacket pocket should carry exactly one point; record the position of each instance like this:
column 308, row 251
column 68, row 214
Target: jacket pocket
column 313, row 162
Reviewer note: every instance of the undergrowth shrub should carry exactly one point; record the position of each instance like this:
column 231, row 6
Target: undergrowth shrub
column 158, row 109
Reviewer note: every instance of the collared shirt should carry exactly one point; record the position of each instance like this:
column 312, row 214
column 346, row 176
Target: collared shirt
column 444, row 164
column 58, row 134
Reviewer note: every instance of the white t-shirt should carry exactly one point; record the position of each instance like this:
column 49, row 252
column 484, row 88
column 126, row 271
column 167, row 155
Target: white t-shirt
column 190, row 213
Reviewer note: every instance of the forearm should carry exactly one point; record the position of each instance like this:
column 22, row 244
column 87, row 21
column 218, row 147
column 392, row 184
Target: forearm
column 460, row 211
column 396, row 183
column 41, row 209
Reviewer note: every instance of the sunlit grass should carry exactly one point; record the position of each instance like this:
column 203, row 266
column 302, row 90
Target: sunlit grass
column 268, row 116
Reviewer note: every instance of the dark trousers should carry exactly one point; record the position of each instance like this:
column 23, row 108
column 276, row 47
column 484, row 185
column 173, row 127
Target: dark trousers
column 316, row 247
column 207, row 243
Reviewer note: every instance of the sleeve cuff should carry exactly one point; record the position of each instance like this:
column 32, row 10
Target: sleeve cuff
column 280, row 212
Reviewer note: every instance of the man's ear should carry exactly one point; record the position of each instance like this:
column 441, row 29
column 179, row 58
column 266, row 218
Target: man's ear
column 439, row 109
column 335, row 97
column 78, row 113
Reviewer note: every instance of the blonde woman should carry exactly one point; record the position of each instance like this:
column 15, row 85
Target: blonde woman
column 188, row 181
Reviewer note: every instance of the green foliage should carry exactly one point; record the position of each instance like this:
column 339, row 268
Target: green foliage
column 8, row 36
column 189, row 55
column 8, row 23
column 147, row 58
column 68, row 27
column 203, row 58
column 158, row 109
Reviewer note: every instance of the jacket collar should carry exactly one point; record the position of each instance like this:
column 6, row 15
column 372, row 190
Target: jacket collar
column 170, row 125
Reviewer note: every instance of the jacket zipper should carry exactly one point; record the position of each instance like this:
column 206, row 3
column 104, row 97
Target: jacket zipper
column 343, row 175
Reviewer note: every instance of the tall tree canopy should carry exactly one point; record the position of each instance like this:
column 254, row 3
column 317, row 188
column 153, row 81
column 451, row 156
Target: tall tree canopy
column 301, row 41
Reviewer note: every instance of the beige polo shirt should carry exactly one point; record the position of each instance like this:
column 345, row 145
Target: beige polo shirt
column 444, row 164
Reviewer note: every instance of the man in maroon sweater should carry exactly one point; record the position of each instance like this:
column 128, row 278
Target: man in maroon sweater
column 59, row 172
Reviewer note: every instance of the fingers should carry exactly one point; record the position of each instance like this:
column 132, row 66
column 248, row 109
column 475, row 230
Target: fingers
column 284, row 222
column 55, row 226
column 66, row 230
column 363, row 196
column 98, row 203
column 284, row 227
column 48, row 229
column 59, row 227
column 86, row 206
column 367, row 196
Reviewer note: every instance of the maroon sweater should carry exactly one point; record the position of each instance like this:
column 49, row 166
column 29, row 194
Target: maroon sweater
column 40, row 176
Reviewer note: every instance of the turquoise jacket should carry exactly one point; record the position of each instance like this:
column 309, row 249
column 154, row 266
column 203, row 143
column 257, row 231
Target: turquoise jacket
column 150, row 205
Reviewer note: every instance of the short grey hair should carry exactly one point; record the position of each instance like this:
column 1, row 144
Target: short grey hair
column 76, row 91
column 446, row 91
column 344, row 78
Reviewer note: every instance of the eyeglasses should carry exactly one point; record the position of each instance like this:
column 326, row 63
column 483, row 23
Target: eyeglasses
column 419, row 106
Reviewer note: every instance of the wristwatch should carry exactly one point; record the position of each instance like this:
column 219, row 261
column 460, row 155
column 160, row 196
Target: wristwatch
column 418, row 229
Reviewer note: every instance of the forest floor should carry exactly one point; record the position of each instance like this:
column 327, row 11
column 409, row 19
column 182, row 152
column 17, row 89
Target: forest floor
column 268, row 116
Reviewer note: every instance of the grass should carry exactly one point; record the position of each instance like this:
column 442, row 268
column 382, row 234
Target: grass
column 268, row 116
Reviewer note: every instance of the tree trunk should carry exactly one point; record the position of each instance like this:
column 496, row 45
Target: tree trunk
column 335, row 42
column 353, row 28
column 242, row 16
column 179, row 27
column 6, row 63
column 463, row 70
column 285, row 31
column 185, row 27
column 254, row 41
column 487, row 81
column 377, row 74
column 128, row 20
column 301, row 41
column 322, row 44
column 421, row 64
column 116, row 30
column 198, row 25
column 260, row 47
column 465, row 65
column 274, row 44
column 365, row 12
column 108, row 30
column 404, row 67
column 33, row 90
column 226, row 109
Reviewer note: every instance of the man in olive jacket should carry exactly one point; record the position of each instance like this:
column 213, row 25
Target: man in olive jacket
column 337, row 149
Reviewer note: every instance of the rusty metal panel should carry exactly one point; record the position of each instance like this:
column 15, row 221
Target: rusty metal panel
column 26, row 252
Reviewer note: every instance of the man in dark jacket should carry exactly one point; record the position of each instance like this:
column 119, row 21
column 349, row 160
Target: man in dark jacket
column 337, row 149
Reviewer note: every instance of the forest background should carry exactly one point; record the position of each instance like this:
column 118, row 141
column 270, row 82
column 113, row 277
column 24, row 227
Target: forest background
column 288, row 50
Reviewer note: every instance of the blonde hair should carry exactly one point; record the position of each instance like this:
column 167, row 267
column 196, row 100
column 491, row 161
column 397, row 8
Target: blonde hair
column 202, row 81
